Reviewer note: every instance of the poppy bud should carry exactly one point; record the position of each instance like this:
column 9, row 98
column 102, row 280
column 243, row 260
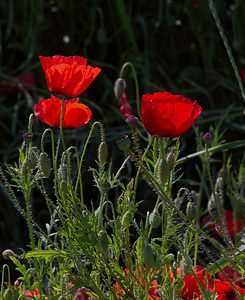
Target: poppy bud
column 123, row 143
column 155, row 219
column 131, row 120
column 27, row 137
column 63, row 188
column 149, row 258
column 162, row 170
column 119, row 87
column 25, row 167
column 8, row 294
column 62, row 171
column 33, row 158
column 7, row 253
column 102, row 153
column 44, row 164
column 126, row 219
column 103, row 240
column 212, row 208
column 168, row 258
column 191, row 210
column 171, row 161
column 207, row 137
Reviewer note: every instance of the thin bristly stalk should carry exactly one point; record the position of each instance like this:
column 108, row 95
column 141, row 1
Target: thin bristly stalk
column 227, row 47
column 137, row 93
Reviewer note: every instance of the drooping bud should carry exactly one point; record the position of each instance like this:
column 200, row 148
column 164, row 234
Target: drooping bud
column 207, row 137
column 102, row 153
column 44, row 164
column 64, row 189
column 171, row 161
column 7, row 253
column 123, row 143
column 27, row 137
column 33, row 158
column 119, row 87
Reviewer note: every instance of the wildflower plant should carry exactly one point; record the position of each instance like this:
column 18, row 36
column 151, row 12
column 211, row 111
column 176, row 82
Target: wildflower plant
column 106, row 247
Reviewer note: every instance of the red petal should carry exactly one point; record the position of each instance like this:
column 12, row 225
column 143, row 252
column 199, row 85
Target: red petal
column 168, row 115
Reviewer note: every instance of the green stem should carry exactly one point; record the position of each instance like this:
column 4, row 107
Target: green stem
column 61, row 123
column 227, row 47
column 128, row 64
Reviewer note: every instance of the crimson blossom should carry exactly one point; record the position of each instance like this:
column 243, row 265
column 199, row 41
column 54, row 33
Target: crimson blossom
column 74, row 114
column 68, row 75
column 168, row 115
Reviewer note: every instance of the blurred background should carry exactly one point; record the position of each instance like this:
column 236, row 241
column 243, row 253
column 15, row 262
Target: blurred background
column 173, row 45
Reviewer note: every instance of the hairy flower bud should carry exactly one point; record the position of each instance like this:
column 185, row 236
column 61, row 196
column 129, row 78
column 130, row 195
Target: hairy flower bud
column 7, row 253
column 149, row 258
column 162, row 170
column 102, row 153
column 126, row 219
column 103, row 240
column 155, row 219
column 44, row 164
column 191, row 210
column 123, row 143
column 171, row 161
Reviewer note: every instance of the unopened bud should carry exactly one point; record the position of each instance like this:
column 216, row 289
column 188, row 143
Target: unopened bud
column 27, row 137
column 126, row 219
column 191, row 210
column 102, row 153
column 103, row 240
column 171, row 161
column 162, row 170
column 7, row 253
column 212, row 208
column 63, row 188
column 44, row 164
column 132, row 120
column 149, row 258
column 219, row 185
column 119, row 87
column 207, row 137
column 9, row 294
column 123, row 143
column 33, row 158
column 155, row 219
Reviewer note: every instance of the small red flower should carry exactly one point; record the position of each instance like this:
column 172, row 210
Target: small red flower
column 34, row 294
column 74, row 115
column 233, row 275
column 225, row 290
column 168, row 115
column 68, row 75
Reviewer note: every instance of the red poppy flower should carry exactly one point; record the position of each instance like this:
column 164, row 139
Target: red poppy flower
column 233, row 275
column 34, row 293
column 233, row 226
column 168, row 115
column 68, row 75
column 225, row 290
column 190, row 288
column 153, row 291
column 74, row 115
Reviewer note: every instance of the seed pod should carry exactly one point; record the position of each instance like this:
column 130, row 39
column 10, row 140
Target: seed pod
column 102, row 153
column 191, row 210
column 171, row 161
column 103, row 240
column 155, row 219
column 123, row 143
column 126, row 219
column 44, row 164
column 149, row 258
